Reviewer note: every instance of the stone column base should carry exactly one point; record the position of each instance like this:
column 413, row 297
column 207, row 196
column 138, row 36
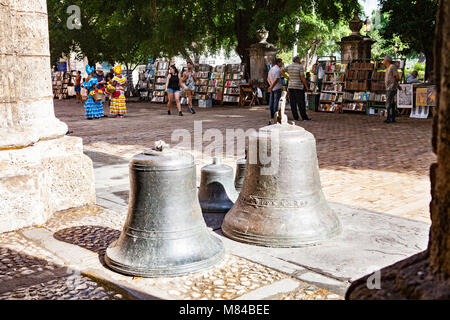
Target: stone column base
column 411, row 278
column 36, row 181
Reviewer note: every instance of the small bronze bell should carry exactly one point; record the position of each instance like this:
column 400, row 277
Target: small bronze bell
column 240, row 174
column 164, row 234
column 217, row 193
column 286, row 208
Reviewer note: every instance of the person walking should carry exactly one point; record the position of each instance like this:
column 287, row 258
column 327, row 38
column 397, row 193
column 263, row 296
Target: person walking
column 78, row 87
column 391, row 82
column 297, row 87
column 118, row 105
column 275, row 87
column 173, row 84
column 189, row 81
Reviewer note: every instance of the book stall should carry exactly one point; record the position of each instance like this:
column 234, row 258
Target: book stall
column 201, row 86
column 62, row 84
column 145, row 82
column 159, row 89
column 215, row 85
column 234, row 77
column 356, row 87
column 331, row 96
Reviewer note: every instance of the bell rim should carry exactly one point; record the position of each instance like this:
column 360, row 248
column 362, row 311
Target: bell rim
column 166, row 271
column 281, row 241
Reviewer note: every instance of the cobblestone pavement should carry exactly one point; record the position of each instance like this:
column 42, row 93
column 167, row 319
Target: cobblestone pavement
column 28, row 271
column 363, row 162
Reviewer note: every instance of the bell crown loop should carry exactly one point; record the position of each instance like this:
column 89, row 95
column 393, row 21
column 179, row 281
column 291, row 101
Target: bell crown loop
column 162, row 158
column 217, row 166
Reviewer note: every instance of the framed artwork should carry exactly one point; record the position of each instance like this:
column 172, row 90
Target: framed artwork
column 431, row 96
column 420, row 112
column 405, row 97
column 421, row 97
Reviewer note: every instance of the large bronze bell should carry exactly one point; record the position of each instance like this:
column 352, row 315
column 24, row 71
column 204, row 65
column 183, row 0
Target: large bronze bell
column 240, row 174
column 217, row 193
column 286, row 208
column 164, row 234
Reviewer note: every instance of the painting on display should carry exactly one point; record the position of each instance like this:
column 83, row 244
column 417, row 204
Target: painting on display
column 420, row 112
column 431, row 96
column 405, row 96
column 421, row 97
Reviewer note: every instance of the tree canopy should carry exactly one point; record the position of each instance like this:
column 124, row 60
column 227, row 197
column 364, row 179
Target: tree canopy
column 128, row 31
column 413, row 22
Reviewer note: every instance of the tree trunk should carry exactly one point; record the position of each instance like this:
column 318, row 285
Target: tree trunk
column 427, row 275
column 439, row 245
column 241, row 25
column 429, row 65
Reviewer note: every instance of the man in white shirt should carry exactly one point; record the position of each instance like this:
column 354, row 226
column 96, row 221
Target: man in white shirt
column 275, row 87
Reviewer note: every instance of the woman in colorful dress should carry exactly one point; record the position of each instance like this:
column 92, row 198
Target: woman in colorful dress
column 118, row 104
column 92, row 109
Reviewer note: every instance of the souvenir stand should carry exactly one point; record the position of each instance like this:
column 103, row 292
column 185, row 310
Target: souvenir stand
column 145, row 83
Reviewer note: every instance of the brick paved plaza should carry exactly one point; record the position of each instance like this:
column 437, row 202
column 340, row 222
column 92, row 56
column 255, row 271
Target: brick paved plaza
column 364, row 162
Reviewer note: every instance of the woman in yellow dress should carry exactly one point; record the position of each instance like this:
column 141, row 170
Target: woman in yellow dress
column 118, row 105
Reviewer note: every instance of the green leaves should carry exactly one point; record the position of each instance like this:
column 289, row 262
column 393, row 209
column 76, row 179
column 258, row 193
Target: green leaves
column 132, row 31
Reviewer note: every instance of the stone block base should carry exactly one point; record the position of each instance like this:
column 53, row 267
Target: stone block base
column 36, row 181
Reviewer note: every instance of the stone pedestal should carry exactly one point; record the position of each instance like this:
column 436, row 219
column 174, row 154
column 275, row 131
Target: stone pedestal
column 41, row 170
column 261, row 54
column 355, row 46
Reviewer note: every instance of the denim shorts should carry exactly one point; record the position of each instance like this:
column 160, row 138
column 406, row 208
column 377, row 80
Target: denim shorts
column 172, row 90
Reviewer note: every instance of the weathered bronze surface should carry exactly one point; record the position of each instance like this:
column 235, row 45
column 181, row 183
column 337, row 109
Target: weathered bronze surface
column 240, row 174
column 217, row 193
column 286, row 208
column 164, row 234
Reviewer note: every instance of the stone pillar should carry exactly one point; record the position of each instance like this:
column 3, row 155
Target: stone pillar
column 41, row 169
column 261, row 54
column 355, row 46
column 257, row 63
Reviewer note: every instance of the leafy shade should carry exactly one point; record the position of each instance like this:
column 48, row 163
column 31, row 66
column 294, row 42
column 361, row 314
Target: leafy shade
column 128, row 31
column 413, row 22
